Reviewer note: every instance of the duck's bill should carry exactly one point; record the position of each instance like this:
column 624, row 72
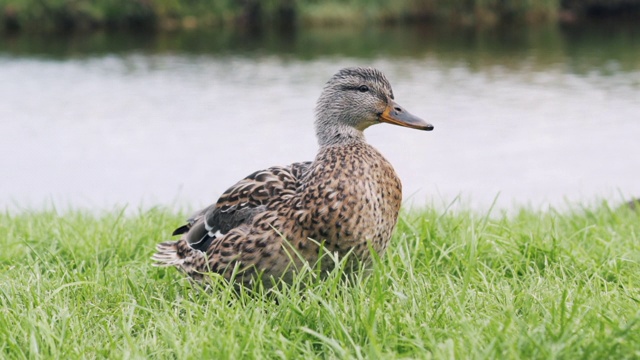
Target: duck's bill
column 397, row 115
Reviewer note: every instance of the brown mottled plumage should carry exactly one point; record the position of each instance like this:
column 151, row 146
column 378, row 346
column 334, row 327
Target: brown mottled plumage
column 347, row 199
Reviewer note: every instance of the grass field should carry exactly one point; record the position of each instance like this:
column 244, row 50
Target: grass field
column 542, row 285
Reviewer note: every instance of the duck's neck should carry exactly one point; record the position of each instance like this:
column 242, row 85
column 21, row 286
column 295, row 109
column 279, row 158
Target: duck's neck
column 334, row 133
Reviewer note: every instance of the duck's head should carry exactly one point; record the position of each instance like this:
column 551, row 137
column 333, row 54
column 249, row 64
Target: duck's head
column 354, row 99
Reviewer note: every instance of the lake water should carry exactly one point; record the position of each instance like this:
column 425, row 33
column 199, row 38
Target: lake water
column 532, row 116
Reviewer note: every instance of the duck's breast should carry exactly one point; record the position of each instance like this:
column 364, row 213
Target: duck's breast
column 350, row 199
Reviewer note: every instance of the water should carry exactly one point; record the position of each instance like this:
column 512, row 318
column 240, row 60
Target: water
column 530, row 116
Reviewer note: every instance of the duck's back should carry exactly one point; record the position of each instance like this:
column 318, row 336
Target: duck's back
column 346, row 200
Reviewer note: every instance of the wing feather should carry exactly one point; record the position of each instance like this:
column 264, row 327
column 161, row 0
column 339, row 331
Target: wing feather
column 240, row 203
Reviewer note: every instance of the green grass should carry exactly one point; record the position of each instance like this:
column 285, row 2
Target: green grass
column 459, row 285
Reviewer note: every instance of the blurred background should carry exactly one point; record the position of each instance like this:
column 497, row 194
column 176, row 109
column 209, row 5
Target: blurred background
column 161, row 102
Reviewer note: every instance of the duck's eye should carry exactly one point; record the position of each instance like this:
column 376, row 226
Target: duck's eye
column 363, row 88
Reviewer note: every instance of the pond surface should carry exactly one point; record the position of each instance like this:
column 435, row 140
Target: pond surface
column 528, row 116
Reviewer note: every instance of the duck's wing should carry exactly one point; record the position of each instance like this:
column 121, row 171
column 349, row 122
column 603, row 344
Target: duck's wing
column 239, row 204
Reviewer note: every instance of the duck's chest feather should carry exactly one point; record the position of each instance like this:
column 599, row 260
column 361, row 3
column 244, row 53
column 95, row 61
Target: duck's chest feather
column 349, row 199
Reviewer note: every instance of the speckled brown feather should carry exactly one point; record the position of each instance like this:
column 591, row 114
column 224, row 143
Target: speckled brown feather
column 346, row 200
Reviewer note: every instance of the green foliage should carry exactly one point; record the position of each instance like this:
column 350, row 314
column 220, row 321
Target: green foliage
column 452, row 285
column 169, row 14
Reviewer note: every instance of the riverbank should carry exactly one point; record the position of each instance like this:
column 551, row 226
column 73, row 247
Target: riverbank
column 67, row 15
column 452, row 285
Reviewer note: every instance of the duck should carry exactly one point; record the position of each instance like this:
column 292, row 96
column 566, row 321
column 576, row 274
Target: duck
column 345, row 202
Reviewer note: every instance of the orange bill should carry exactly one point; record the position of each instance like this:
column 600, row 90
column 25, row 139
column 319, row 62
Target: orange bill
column 397, row 115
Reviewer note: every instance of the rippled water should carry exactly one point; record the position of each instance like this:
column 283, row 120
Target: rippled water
column 534, row 117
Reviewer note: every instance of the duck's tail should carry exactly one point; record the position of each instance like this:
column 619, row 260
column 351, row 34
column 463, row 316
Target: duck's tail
column 182, row 256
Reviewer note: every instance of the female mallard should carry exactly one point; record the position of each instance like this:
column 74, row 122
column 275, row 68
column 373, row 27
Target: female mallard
column 347, row 199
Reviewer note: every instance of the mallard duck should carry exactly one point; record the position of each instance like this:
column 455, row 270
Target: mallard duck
column 346, row 200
